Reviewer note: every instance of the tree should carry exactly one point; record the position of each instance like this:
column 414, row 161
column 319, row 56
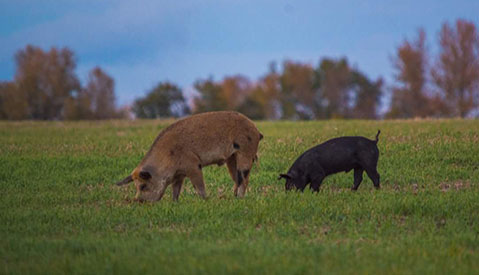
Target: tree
column 46, row 87
column 409, row 96
column 79, row 106
column 100, row 90
column 229, row 94
column 367, row 95
column 297, row 95
column 164, row 100
column 13, row 103
column 210, row 97
column 254, row 106
column 47, row 80
column 334, row 78
column 235, row 90
column 3, row 92
column 456, row 72
column 95, row 101
column 270, row 88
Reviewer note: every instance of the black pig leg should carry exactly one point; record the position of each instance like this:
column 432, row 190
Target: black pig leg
column 358, row 178
column 316, row 183
column 374, row 176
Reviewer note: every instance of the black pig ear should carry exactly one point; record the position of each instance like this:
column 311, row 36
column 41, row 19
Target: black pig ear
column 145, row 175
column 286, row 176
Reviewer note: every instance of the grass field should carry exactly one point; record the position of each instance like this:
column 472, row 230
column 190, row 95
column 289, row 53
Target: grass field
column 61, row 213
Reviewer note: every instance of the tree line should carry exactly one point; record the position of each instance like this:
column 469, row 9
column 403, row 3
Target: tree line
column 444, row 85
column 45, row 87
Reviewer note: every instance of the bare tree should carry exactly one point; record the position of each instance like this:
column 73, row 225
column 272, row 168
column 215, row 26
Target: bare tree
column 410, row 96
column 456, row 72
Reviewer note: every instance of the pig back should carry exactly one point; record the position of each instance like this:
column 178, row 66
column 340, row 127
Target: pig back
column 211, row 136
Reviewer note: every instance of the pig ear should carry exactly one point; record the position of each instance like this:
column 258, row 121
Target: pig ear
column 145, row 175
column 286, row 176
column 125, row 181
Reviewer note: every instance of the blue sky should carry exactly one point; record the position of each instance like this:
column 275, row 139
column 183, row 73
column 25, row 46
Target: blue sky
column 140, row 43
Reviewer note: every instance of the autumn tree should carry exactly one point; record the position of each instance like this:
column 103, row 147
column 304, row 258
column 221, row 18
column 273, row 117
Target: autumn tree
column 79, row 106
column 410, row 96
column 47, row 80
column 164, row 100
column 456, row 72
column 13, row 102
column 3, row 92
column 270, row 88
column 96, row 100
column 46, row 87
column 235, row 90
column 344, row 92
column 297, row 94
column 263, row 97
column 101, row 91
column 255, row 104
column 210, row 98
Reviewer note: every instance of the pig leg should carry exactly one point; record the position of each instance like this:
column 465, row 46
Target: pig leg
column 369, row 163
column 231, row 163
column 358, row 178
column 196, row 177
column 192, row 170
column 374, row 176
column 243, row 168
column 177, row 187
column 316, row 182
column 315, row 177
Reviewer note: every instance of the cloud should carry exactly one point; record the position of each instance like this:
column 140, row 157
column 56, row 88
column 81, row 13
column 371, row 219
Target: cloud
column 134, row 28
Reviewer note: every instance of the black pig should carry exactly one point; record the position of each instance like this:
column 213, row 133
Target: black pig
column 334, row 156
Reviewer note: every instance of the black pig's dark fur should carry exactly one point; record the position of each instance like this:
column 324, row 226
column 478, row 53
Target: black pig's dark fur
column 341, row 154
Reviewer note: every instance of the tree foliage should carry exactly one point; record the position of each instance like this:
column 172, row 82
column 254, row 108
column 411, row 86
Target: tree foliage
column 299, row 91
column 46, row 87
column 450, row 87
column 211, row 96
column 96, row 100
column 46, row 80
column 164, row 100
column 366, row 96
column 13, row 102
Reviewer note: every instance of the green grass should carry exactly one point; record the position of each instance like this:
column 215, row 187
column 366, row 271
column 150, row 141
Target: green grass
column 61, row 213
